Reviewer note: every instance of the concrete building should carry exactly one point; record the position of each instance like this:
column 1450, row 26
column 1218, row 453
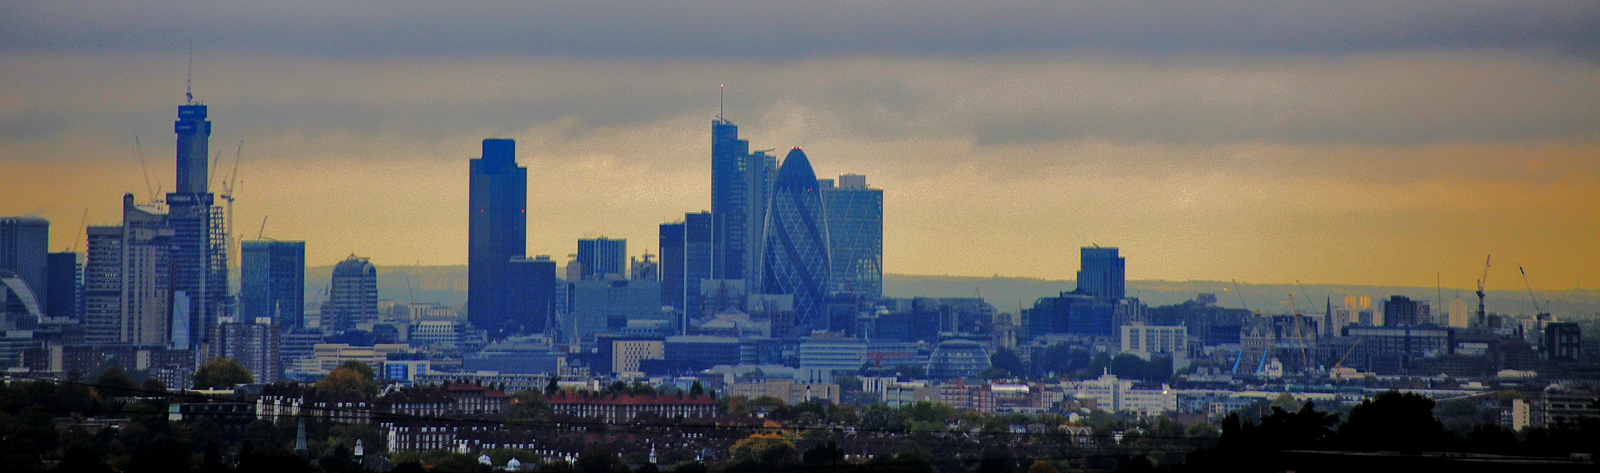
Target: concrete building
column 255, row 343
column 352, row 295
column 128, row 288
column 833, row 354
column 1146, row 341
column 789, row 391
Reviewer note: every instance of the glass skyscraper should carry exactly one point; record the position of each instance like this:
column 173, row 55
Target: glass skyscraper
column 796, row 257
column 496, row 233
column 600, row 257
column 855, row 235
column 272, row 282
column 740, row 181
column 1102, row 274
column 685, row 260
column 199, row 239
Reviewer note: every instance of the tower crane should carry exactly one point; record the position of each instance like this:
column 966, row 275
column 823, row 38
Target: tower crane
column 227, row 195
column 1483, row 316
column 1336, row 366
column 1542, row 311
column 1305, row 362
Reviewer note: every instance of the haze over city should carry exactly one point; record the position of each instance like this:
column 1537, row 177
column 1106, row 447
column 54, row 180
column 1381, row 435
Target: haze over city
column 1325, row 143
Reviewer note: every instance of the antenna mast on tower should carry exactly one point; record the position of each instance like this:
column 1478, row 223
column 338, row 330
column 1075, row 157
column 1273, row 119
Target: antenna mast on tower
column 188, row 81
column 720, row 89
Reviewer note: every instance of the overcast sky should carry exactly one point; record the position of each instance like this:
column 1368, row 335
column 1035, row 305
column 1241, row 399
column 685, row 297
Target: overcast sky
column 1264, row 141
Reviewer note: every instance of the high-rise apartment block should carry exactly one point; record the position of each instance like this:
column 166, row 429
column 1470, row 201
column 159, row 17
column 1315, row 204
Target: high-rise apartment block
column 272, row 281
column 1103, row 273
column 855, row 235
column 496, row 235
column 602, row 258
column 128, row 282
column 256, row 343
column 352, row 295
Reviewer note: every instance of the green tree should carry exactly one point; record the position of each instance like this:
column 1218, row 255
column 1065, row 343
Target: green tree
column 360, row 367
column 527, row 404
column 346, row 381
column 1128, row 366
column 697, row 389
column 221, row 373
column 1393, row 421
column 114, row 382
column 1285, row 402
column 1007, row 359
column 554, row 387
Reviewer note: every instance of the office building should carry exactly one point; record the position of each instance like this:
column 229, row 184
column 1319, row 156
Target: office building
column 1071, row 313
column 740, row 180
column 24, row 244
column 957, row 359
column 1563, row 341
column 531, row 301
column 496, row 234
column 607, row 306
column 1147, row 341
column 199, row 244
column 272, row 281
column 352, row 296
column 602, row 258
column 855, row 235
column 796, row 249
column 63, row 285
column 686, row 250
column 1400, row 310
column 1103, row 273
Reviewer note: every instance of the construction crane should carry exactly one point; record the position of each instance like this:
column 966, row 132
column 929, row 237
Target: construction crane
column 1240, row 293
column 1542, row 311
column 227, row 195
column 139, row 150
column 1483, row 316
column 1336, row 366
column 1305, row 361
column 82, row 226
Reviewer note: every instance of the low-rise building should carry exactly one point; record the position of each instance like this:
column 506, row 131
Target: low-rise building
column 613, row 408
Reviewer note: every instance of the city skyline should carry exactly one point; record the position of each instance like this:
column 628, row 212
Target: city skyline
column 1371, row 161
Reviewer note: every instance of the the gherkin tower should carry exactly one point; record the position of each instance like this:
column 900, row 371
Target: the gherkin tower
column 795, row 260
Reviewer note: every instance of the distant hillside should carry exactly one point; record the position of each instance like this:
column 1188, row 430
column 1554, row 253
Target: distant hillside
column 448, row 285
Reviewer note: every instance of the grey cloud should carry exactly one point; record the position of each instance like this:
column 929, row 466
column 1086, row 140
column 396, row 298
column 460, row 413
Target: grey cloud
column 30, row 123
column 786, row 30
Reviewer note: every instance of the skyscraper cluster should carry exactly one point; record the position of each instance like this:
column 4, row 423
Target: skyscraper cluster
column 776, row 235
